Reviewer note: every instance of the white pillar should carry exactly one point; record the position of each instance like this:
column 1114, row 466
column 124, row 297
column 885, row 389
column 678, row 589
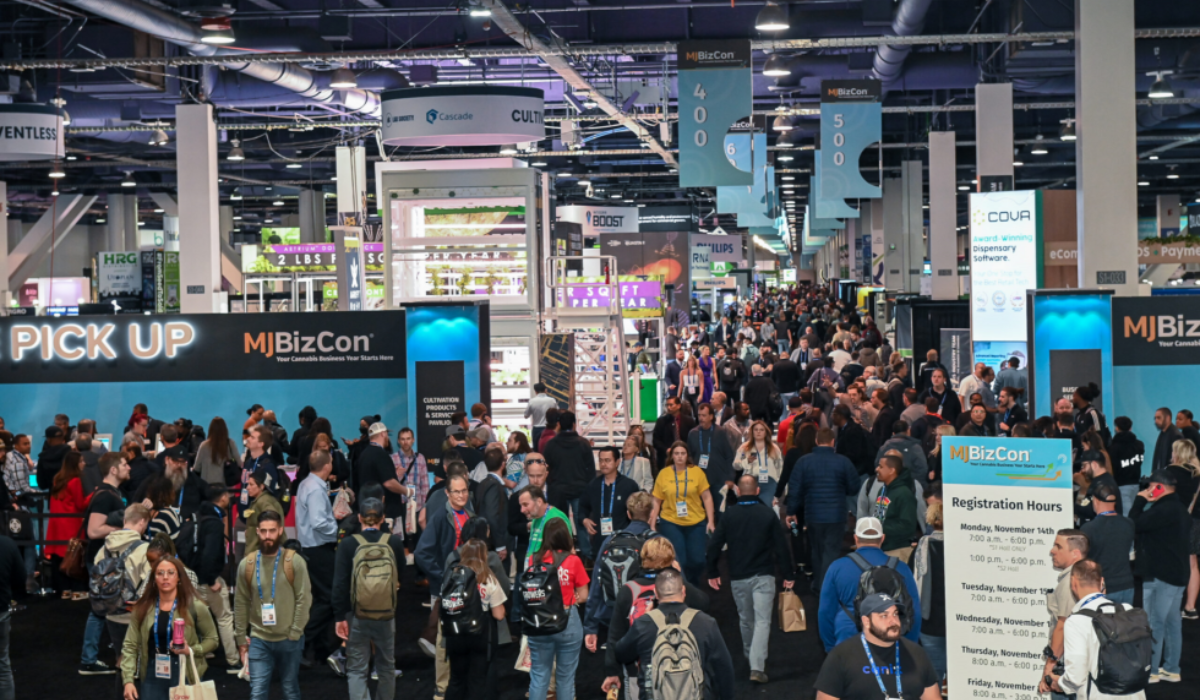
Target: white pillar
column 129, row 205
column 894, row 270
column 312, row 216
column 5, row 295
column 1167, row 214
column 1106, row 149
column 943, row 215
column 199, row 218
column 115, row 222
column 913, row 176
column 994, row 136
column 351, row 164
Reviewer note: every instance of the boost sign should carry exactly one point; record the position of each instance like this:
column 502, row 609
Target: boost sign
column 477, row 115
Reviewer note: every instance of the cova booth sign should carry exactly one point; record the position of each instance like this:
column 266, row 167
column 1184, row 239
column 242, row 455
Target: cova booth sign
column 476, row 115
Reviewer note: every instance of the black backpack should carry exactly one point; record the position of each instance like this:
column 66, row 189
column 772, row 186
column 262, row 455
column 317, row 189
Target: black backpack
column 621, row 561
column 1126, row 646
column 283, row 491
column 883, row 579
column 187, row 541
column 542, row 609
column 462, row 608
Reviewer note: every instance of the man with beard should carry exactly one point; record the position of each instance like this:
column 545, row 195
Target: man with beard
column 189, row 488
column 270, row 611
column 879, row 661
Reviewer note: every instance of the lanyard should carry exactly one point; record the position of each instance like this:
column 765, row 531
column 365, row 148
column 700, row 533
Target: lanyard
column 875, row 669
column 181, row 490
column 685, row 480
column 706, row 450
column 170, row 621
column 458, row 527
column 611, row 499
column 627, row 466
column 258, row 574
column 1089, row 599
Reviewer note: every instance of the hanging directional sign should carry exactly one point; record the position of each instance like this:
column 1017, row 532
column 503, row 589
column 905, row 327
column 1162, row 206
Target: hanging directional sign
column 826, row 207
column 716, row 89
column 851, row 120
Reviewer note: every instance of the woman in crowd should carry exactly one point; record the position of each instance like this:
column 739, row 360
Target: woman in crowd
column 635, row 466
column 164, row 517
column 708, row 367
column 514, row 469
column 339, row 477
column 929, row 569
column 66, row 498
column 644, row 450
column 1185, row 467
column 216, row 453
column 935, row 457
column 691, row 384
column 688, row 512
column 761, row 458
column 560, row 652
column 254, row 417
column 148, row 656
column 473, row 668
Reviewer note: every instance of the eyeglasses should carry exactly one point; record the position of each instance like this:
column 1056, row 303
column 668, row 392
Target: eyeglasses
column 535, row 461
column 459, row 492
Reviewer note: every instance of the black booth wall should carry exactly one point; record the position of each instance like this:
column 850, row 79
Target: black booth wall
column 929, row 317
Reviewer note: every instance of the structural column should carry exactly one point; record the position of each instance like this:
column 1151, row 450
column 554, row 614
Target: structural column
column 894, row 263
column 312, row 216
column 1106, row 148
column 115, row 223
column 129, row 205
column 943, row 215
column 912, row 173
column 199, row 217
column 994, row 137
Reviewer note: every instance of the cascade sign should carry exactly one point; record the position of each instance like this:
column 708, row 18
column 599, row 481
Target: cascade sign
column 201, row 347
column 30, row 132
column 474, row 115
column 716, row 90
column 1004, row 499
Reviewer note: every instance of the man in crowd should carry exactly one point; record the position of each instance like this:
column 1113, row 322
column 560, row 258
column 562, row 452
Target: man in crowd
column 795, row 410
column 731, row 374
column 105, row 501
column 971, row 384
column 1093, row 465
column 758, row 395
column 538, row 512
column 840, row 588
column 737, row 430
column 258, row 444
column 672, row 371
column 491, row 498
column 839, row 357
column 317, row 530
column 722, row 411
column 599, row 612
column 822, row 481
column 536, row 410
column 860, row 668
column 896, row 506
column 787, row 377
column 925, row 371
column 1011, row 376
column 757, row 549
column 1168, row 435
column 270, row 611
column 948, row 406
column 1128, row 453
column 210, row 567
column 709, row 446
column 443, row 531
column 51, row 458
column 639, row 644
column 170, row 437
column 1110, row 538
column 1070, row 547
column 374, row 464
column 518, row 523
column 190, row 489
column 127, row 538
column 602, row 506
column 911, row 454
column 853, row 442
column 572, row 466
column 1163, row 528
column 912, row 409
column 363, row 634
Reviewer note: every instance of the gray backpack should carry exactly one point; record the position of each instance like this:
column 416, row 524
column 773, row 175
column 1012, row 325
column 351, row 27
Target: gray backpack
column 110, row 586
column 676, row 670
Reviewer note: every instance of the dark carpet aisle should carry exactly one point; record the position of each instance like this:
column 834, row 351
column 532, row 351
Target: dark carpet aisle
column 46, row 643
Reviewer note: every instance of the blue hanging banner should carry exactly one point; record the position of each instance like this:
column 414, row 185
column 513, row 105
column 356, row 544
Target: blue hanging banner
column 716, row 90
column 757, row 204
column 821, row 222
column 826, row 207
column 851, row 120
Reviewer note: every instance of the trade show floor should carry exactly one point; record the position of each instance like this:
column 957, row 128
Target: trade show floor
column 46, row 636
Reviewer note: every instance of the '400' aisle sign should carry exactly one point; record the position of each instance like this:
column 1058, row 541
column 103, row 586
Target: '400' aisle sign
column 716, row 89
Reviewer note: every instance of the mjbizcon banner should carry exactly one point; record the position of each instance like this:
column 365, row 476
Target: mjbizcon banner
column 345, row 365
column 1155, row 357
column 716, row 89
column 851, row 120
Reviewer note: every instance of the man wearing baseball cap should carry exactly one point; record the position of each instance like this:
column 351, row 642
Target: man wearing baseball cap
column 840, row 588
column 878, row 662
column 1093, row 464
column 375, row 465
column 1163, row 528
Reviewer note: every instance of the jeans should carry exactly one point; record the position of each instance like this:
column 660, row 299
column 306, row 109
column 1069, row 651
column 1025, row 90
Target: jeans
column 91, row 639
column 154, row 688
column 935, row 649
column 1125, row 596
column 364, row 633
column 1162, row 602
column 755, row 599
column 559, row 652
column 690, row 542
column 585, row 544
column 8, row 690
column 1128, row 493
column 265, row 657
column 825, row 539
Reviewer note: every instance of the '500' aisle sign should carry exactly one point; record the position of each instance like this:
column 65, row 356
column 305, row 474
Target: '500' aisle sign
column 715, row 91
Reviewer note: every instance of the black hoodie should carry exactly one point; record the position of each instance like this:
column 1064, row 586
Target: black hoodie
column 1127, row 453
column 50, row 461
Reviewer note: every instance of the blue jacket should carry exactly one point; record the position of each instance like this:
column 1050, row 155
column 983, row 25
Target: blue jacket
column 841, row 588
column 598, row 612
column 436, row 543
column 823, row 479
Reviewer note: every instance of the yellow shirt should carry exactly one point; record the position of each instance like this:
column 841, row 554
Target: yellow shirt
column 671, row 487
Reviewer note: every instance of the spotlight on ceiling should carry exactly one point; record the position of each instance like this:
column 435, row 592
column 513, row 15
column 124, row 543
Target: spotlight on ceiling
column 781, row 123
column 277, row 203
column 1039, row 148
column 218, row 36
column 1068, row 130
column 508, row 149
column 159, row 138
column 776, row 66
column 236, row 194
column 772, row 18
column 128, row 181
column 785, row 158
column 236, row 153
column 56, row 172
column 294, row 166
column 343, row 79
column 1161, row 88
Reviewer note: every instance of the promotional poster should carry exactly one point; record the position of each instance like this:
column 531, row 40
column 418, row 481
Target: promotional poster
column 1006, row 262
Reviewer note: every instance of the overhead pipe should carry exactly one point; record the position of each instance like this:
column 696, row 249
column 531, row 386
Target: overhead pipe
column 909, row 21
column 174, row 29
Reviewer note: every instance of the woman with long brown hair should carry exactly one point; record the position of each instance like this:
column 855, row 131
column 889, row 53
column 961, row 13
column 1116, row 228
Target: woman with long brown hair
column 473, row 671
column 217, row 451
column 150, row 663
column 761, row 458
column 67, row 499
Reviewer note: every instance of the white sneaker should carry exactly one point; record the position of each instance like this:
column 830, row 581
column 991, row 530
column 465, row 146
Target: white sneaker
column 1154, row 678
column 1169, row 677
column 427, row 647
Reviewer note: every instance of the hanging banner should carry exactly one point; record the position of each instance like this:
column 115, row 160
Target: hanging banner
column 118, row 274
column 350, row 270
column 851, row 120
column 825, row 206
column 166, row 282
column 720, row 248
column 1005, row 499
column 463, row 115
column 867, row 260
column 1006, row 262
column 598, row 220
column 716, row 89
column 35, row 132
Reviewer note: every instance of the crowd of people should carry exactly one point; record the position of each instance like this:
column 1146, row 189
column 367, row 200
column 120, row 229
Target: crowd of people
column 795, row 446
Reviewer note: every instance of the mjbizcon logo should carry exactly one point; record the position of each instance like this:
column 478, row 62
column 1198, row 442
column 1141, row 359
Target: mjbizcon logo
column 431, row 116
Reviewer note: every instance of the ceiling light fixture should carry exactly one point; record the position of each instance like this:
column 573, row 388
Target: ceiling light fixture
column 1068, row 130
column 158, row 211
column 343, row 79
column 781, row 123
column 1161, row 88
column 236, row 194
column 128, row 181
column 539, row 164
column 159, row 138
column 277, row 203
column 219, row 36
column 72, row 157
column 776, row 67
column 785, row 158
column 54, row 192
column 583, row 182
column 964, row 188
column 57, row 172
column 236, row 153
column 773, row 17
column 1039, row 147
column 1143, row 183
column 1150, row 158
column 508, row 149
column 294, row 166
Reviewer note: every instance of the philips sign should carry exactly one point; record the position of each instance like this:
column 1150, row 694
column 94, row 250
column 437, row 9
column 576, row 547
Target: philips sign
column 720, row 248
column 447, row 116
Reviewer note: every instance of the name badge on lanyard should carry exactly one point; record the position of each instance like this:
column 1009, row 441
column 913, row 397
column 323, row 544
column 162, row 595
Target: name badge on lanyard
column 703, row 462
column 162, row 666
column 606, row 526
column 764, row 476
column 268, row 614
column 681, row 509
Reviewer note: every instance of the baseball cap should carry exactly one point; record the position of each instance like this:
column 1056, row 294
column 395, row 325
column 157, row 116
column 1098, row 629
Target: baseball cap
column 177, row 452
column 371, row 506
column 480, row 433
column 376, row 428
column 54, row 431
column 868, row 528
column 876, row 603
column 1162, row 476
column 455, row 430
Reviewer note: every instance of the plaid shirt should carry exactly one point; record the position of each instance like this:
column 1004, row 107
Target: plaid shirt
column 418, row 477
column 17, row 469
